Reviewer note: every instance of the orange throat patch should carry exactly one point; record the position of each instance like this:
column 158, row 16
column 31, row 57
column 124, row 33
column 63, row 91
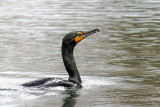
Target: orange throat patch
column 79, row 38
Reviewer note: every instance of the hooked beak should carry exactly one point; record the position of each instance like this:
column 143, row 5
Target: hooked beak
column 88, row 33
column 85, row 34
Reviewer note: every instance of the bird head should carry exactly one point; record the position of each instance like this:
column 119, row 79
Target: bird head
column 74, row 38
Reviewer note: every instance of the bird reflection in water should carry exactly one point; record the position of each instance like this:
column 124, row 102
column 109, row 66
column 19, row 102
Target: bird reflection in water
column 70, row 99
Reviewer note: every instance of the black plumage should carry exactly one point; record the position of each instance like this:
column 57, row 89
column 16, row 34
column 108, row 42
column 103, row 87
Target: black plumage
column 69, row 42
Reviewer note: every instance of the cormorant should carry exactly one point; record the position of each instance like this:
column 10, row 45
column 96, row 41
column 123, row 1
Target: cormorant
column 69, row 42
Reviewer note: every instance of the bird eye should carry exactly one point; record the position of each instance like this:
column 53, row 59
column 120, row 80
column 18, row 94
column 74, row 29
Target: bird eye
column 78, row 34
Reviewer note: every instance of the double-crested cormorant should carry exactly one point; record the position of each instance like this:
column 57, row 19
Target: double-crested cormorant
column 69, row 42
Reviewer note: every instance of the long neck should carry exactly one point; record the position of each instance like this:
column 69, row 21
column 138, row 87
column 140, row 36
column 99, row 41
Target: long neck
column 69, row 62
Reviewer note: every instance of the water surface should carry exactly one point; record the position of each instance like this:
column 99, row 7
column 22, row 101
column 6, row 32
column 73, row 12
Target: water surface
column 120, row 66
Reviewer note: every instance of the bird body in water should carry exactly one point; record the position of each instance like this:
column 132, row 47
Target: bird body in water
column 69, row 42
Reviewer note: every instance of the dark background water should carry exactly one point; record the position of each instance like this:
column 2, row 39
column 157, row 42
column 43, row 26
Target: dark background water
column 120, row 66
